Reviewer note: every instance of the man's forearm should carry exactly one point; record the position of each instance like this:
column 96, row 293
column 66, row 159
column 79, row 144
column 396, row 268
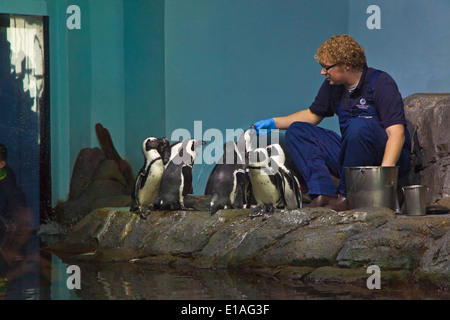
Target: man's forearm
column 394, row 145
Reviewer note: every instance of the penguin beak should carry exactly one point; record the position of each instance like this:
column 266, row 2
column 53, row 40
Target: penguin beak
column 199, row 143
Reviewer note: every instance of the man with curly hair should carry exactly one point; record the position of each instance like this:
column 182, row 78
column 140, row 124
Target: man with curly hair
column 371, row 120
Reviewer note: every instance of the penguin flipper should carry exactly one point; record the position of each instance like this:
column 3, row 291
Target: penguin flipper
column 280, row 186
column 138, row 184
column 298, row 191
column 187, row 175
column 241, row 194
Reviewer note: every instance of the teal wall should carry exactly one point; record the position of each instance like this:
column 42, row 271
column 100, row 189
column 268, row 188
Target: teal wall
column 144, row 75
column 231, row 63
column 147, row 67
column 413, row 44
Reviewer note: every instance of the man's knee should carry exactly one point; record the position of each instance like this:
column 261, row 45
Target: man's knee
column 360, row 129
column 299, row 130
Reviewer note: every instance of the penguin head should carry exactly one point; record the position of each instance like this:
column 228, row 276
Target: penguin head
column 164, row 143
column 259, row 158
column 276, row 153
column 150, row 143
column 250, row 139
column 186, row 152
column 231, row 153
column 151, row 146
column 247, row 142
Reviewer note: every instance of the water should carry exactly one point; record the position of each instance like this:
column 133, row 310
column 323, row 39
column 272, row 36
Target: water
column 39, row 275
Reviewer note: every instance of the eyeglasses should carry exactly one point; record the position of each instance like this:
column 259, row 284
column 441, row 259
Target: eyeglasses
column 326, row 68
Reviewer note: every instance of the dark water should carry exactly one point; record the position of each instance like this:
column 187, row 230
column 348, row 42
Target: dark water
column 38, row 275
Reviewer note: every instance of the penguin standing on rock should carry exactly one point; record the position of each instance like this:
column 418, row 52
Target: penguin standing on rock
column 267, row 183
column 148, row 180
column 228, row 183
column 291, row 186
column 177, row 177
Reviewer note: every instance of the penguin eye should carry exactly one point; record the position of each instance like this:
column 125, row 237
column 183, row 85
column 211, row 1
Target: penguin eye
column 148, row 145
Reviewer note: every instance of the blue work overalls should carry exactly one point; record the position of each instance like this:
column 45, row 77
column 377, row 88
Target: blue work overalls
column 320, row 153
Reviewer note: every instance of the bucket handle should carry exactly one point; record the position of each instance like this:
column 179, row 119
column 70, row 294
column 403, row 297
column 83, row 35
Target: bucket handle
column 361, row 170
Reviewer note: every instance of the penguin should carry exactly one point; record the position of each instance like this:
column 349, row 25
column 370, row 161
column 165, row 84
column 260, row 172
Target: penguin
column 267, row 183
column 148, row 181
column 164, row 150
column 228, row 182
column 291, row 185
column 177, row 176
column 247, row 142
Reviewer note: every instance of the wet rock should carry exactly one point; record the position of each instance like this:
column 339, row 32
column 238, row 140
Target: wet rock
column 97, row 182
column 399, row 244
column 83, row 170
column 428, row 116
column 295, row 243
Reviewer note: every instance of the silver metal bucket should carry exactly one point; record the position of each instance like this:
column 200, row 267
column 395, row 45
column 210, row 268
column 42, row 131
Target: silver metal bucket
column 415, row 200
column 372, row 186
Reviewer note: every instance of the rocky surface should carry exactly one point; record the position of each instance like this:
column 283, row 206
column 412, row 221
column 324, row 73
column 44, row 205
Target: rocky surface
column 428, row 116
column 311, row 244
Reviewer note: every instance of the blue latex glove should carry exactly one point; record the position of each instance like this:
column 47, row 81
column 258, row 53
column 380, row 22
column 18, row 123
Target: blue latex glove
column 268, row 124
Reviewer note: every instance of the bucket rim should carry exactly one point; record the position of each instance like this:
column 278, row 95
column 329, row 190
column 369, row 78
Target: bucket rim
column 370, row 167
column 414, row 186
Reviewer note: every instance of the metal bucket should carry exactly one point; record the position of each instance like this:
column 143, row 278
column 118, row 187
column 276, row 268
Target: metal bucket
column 415, row 200
column 372, row 187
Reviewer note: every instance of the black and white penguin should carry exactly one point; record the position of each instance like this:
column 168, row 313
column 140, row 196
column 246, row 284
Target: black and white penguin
column 228, row 182
column 291, row 185
column 177, row 178
column 267, row 183
column 148, row 181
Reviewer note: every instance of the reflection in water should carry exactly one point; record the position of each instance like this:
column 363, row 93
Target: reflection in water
column 131, row 281
column 27, row 272
column 43, row 276
column 23, row 269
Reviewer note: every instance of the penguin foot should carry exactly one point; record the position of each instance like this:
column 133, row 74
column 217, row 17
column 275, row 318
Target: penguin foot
column 183, row 207
column 256, row 213
column 266, row 216
column 144, row 215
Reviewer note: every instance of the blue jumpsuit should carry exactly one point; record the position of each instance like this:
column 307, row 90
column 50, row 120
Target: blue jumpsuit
column 320, row 153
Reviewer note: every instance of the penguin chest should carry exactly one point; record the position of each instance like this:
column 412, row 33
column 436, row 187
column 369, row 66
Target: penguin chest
column 264, row 188
column 150, row 191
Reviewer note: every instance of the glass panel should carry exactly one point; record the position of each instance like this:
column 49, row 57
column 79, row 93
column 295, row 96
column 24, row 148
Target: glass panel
column 23, row 101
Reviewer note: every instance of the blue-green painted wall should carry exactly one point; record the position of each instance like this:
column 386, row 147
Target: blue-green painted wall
column 413, row 44
column 146, row 67
column 144, row 75
column 231, row 63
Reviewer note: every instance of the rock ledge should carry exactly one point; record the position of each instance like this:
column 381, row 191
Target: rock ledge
column 311, row 244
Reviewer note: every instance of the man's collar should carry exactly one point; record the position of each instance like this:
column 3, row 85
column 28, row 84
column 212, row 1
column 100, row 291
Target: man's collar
column 362, row 80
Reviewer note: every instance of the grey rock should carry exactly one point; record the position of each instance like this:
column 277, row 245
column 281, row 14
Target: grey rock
column 309, row 238
column 428, row 116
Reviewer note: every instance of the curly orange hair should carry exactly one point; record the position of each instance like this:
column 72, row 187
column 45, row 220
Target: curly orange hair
column 341, row 49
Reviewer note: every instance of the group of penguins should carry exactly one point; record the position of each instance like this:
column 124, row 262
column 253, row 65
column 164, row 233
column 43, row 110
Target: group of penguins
column 247, row 176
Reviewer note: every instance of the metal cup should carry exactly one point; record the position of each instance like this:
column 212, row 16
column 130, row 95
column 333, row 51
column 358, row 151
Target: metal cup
column 415, row 200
